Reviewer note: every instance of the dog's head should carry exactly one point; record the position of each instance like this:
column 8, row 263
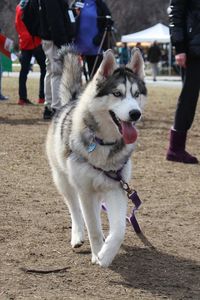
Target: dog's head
column 121, row 92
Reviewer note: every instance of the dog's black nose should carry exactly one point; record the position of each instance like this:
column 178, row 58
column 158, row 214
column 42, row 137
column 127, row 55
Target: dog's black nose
column 134, row 114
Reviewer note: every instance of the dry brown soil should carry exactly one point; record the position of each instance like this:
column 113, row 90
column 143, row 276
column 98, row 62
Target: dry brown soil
column 35, row 224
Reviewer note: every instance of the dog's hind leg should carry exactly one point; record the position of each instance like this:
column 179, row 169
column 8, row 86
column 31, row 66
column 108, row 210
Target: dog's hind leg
column 116, row 204
column 72, row 201
column 91, row 208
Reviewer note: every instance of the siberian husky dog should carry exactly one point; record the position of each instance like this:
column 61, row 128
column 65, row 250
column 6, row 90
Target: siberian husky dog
column 89, row 146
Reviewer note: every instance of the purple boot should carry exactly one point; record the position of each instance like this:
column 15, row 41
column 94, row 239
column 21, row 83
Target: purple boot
column 176, row 151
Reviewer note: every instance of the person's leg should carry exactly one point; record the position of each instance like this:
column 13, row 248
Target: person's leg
column 52, row 80
column 93, row 62
column 47, row 80
column 153, row 66
column 188, row 98
column 53, row 75
column 40, row 58
column 157, row 69
column 25, row 66
column 184, row 115
column 0, row 75
column 55, row 79
column 48, row 113
column 2, row 97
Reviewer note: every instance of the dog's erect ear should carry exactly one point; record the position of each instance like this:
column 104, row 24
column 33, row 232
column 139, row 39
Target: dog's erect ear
column 108, row 64
column 136, row 63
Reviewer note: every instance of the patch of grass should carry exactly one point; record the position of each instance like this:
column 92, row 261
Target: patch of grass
column 10, row 88
column 161, row 96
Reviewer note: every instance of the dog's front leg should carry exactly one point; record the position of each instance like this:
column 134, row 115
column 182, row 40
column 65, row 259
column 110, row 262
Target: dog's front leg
column 116, row 203
column 72, row 201
column 91, row 208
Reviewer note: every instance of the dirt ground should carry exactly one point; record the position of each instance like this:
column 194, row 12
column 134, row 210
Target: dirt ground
column 35, row 224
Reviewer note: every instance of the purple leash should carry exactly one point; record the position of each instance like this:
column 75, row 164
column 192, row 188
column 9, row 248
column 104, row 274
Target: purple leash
column 132, row 219
column 131, row 194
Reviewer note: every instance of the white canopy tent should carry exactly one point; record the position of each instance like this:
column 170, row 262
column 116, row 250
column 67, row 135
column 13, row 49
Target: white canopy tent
column 158, row 32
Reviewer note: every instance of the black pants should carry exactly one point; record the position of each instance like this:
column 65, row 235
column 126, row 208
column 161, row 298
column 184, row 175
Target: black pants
column 188, row 98
column 25, row 60
column 93, row 61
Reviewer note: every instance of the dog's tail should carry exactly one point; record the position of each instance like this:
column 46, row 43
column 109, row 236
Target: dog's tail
column 71, row 79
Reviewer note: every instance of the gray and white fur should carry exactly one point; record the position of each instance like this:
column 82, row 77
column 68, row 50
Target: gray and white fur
column 105, row 110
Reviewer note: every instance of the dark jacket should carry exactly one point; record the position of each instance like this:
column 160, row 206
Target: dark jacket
column 104, row 21
column 184, row 16
column 54, row 21
column 154, row 54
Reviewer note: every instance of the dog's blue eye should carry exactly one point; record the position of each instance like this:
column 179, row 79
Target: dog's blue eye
column 117, row 93
column 136, row 95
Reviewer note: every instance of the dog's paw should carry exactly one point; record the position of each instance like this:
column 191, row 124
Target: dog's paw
column 101, row 262
column 104, row 263
column 77, row 244
column 77, row 240
column 104, row 260
column 95, row 259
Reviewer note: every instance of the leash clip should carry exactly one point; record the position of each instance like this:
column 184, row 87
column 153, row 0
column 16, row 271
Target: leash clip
column 126, row 188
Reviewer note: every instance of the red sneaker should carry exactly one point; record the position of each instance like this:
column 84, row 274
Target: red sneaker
column 21, row 102
column 24, row 102
column 41, row 101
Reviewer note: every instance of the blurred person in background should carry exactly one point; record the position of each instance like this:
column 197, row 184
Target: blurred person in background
column 154, row 56
column 93, row 18
column 55, row 31
column 124, row 55
column 184, row 18
column 30, row 46
column 2, row 97
column 139, row 46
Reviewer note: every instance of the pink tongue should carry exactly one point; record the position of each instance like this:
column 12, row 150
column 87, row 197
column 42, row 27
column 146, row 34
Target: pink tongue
column 129, row 132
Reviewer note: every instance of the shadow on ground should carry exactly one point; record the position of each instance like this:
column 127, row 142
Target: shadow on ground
column 159, row 273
